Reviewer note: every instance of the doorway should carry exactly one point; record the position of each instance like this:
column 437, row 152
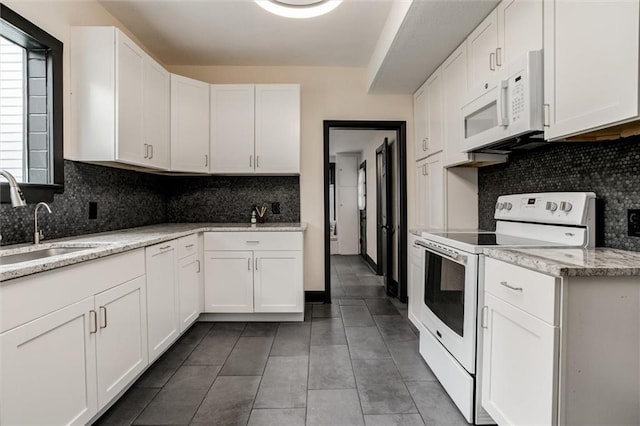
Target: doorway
column 386, row 182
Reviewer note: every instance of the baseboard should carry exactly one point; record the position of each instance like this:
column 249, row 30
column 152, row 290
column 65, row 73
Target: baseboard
column 371, row 263
column 314, row 296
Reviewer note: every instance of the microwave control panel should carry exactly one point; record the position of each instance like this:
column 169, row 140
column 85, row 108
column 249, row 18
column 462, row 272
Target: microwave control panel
column 517, row 98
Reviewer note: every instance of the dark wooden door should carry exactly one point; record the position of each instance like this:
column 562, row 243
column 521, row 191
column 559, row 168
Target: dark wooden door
column 384, row 219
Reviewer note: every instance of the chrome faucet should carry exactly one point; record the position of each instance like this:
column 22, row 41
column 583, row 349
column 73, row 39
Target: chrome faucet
column 37, row 233
column 16, row 195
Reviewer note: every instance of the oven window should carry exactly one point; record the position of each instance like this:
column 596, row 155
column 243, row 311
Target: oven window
column 481, row 120
column 444, row 290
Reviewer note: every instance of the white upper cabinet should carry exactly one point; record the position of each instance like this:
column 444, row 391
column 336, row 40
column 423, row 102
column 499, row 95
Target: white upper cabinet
column 454, row 82
column 255, row 129
column 189, row 125
column 435, row 113
column 120, row 100
column 420, row 121
column 481, row 50
column 277, row 127
column 591, row 65
column 232, row 128
column 519, row 29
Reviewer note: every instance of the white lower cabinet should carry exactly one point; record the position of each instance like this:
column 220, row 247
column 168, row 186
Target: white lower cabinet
column 121, row 337
column 257, row 272
column 162, row 296
column 228, row 281
column 416, row 289
column 189, row 283
column 49, row 369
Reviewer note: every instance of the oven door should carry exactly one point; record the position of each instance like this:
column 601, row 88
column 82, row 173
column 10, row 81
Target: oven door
column 449, row 305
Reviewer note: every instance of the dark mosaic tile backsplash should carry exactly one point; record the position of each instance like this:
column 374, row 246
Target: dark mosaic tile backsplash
column 128, row 199
column 610, row 169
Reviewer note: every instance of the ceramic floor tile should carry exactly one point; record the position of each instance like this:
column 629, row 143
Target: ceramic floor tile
column 394, row 328
column 385, row 398
column 367, row 291
column 284, row 383
column 350, row 302
column 327, row 331
column 277, row 417
column 228, row 402
column 330, row 368
column 374, row 371
column 260, row 329
column 339, row 407
column 356, row 316
column 292, row 340
column 435, row 406
column 393, row 420
column 329, row 310
column 248, row 357
column 410, row 363
column 366, row 343
column 213, row 350
column 381, row 307
column 178, row 401
column 125, row 411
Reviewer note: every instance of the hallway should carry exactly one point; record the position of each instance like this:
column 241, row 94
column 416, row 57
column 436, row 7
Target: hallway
column 353, row 362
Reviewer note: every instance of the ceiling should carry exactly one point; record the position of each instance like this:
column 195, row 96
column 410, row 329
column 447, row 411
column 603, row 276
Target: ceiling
column 356, row 140
column 239, row 32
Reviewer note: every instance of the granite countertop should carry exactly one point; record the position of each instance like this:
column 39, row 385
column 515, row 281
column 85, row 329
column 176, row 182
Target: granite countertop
column 572, row 262
column 103, row 244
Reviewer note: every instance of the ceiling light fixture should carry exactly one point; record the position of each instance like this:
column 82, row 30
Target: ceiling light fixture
column 299, row 9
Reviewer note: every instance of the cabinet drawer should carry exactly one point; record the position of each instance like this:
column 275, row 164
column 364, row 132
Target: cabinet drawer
column 533, row 292
column 187, row 246
column 256, row 240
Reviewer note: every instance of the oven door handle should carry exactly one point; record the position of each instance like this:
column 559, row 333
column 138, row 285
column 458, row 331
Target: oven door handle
column 451, row 256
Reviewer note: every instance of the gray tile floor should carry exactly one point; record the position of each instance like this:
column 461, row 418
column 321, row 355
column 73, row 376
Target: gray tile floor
column 354, row 362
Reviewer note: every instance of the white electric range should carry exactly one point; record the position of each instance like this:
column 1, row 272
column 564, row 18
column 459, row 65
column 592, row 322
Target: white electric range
column 453, row 287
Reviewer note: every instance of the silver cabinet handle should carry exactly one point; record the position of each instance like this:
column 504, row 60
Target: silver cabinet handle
column 198, row 271
column 506, row 284
column 206, row 160
column 248, row 263
column 146, row 150
column 499, row 56
column 257, row 161
column 485, row 317
column 424, row 170
column 256, row 263
column 251, row 161
column 151, row 156
column 189, row 246
column 547, row 115
column 253, row 242
column 165, row 247
column 104, row 316
column 93, row 322
column 492, row 59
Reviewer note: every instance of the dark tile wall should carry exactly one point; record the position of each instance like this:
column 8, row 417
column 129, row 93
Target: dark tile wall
column 610, row 169
column 129, row 199
column 125, row 199
column 231, row 198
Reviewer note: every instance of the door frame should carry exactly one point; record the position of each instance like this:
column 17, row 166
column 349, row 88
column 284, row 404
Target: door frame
column 400, row 127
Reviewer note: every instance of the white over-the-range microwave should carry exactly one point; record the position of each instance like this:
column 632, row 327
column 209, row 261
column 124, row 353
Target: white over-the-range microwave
column 511, row 109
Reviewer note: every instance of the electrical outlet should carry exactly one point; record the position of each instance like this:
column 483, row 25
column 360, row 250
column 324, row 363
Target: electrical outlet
column 93, row 210
column 275, row 208
column 633, row 222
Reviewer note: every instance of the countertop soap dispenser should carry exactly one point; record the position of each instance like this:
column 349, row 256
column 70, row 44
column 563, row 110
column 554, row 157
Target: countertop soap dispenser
column 253, row 217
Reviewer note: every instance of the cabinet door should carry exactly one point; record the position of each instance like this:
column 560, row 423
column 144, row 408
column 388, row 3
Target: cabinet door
column 454, row 91
column 416, row 289
column 519, row 361
column 277, row 128
column 162, row 297
column 232, row 128
column 420, row 122
column 189, row 125
column 189, row 290
column 435, row 192
column 49, row 369
column 278, row 281
column 121, row 338
column 519, row 29
column 157, row 113
column 435, row 118
column 591, row 65
column 228, row 281
column 481, row 51
column 422, row 179
column 130, row 70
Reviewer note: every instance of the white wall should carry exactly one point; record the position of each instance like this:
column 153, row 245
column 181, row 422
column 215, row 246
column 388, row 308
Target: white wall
column 326, row 94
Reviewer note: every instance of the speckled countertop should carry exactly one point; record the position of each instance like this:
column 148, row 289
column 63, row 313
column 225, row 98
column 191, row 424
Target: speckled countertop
column 572, row 262
column 103, row 244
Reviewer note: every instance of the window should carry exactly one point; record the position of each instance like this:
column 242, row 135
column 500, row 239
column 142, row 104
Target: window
column 30, row 108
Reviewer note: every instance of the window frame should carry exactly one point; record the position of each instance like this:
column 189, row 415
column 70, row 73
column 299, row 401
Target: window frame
column 26, row 34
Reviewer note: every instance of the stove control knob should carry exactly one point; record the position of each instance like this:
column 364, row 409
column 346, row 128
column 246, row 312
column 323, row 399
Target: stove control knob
column 565, row 206
column 551, row 206
column 499, row 206
column 508, row 206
